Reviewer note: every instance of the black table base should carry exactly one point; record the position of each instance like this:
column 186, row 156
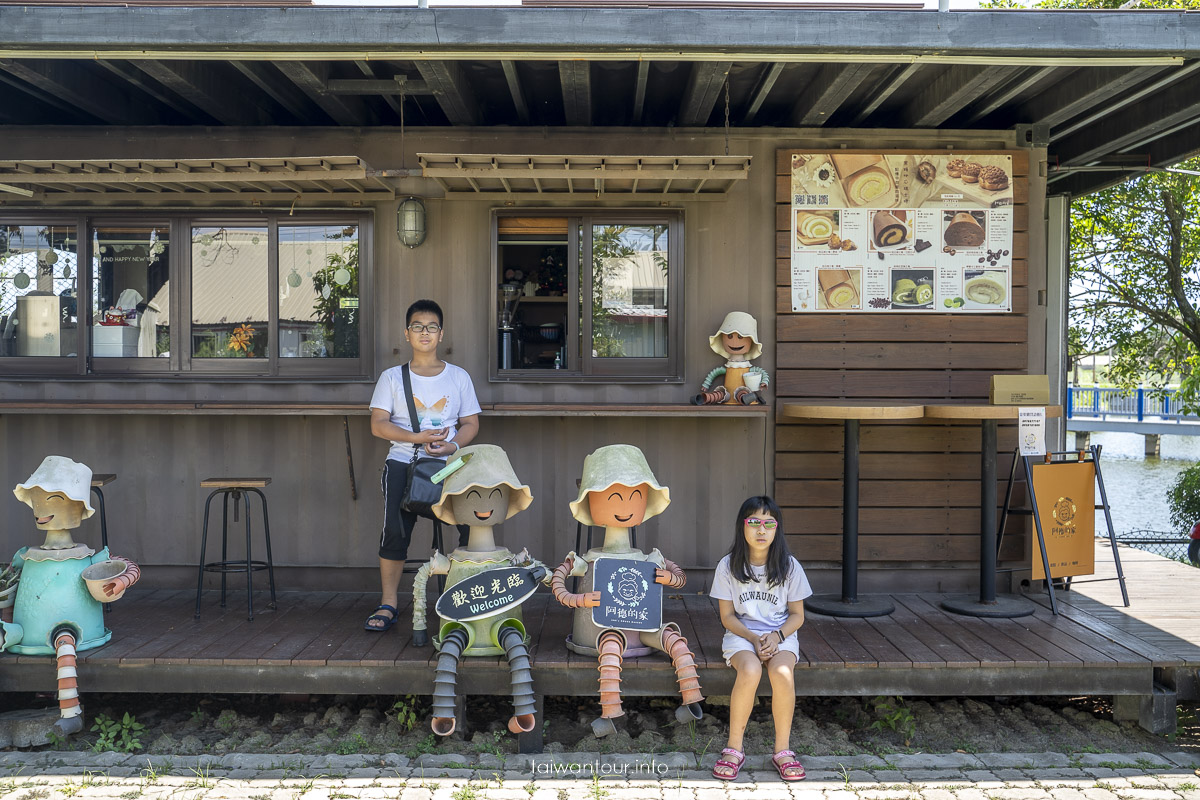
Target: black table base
column 833, row 605
column 1002, row 606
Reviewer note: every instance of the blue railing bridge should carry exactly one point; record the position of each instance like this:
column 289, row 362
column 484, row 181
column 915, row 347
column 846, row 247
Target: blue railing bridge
column 1139, row 410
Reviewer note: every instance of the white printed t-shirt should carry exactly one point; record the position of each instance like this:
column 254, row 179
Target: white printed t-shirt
column 760, row 607
column 440, row 401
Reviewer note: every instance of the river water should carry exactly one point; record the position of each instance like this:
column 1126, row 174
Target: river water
column 1136, row 484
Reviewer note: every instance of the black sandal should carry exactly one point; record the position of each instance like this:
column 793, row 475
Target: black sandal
column 388, row 622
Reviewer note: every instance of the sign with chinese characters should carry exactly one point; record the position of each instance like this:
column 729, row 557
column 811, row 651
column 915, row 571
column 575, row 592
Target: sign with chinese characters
column 486, row 594
column 901, row 233
column 1066, row 500
column 629, row 597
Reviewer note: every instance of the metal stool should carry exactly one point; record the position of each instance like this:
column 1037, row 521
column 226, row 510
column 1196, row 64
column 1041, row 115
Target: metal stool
column 240, row 489
column 411, row 566
column 99, row 480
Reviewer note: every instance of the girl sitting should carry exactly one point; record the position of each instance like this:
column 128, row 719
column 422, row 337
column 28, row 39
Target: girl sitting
column 760, row 589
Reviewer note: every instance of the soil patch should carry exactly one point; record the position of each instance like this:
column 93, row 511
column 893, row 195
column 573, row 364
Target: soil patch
column 352, row 724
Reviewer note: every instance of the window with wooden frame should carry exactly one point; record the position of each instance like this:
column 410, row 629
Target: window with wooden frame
column 587, row 296
column 257, row 296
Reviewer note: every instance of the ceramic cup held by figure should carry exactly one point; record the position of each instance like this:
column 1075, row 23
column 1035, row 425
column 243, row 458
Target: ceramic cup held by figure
column 752, row 380
column 98, row 575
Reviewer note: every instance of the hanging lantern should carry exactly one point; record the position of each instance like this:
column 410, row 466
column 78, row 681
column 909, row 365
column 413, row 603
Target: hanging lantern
column 410, row 222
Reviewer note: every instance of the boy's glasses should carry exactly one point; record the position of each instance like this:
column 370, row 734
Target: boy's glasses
column 765, row 524
column 417, row 327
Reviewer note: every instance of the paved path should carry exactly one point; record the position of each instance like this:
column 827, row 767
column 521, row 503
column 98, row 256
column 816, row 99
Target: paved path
column 572, row 776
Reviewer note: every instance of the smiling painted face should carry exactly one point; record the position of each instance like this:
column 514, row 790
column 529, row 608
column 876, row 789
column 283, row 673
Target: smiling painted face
column 736, row 344
column 481, row 507
column 619, row 506
column 54, row 511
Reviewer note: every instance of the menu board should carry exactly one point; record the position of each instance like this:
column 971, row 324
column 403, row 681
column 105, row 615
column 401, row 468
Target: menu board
column 901, row 233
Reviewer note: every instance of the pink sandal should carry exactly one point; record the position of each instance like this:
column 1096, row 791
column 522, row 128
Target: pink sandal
column 732, row 768
column 790, row 769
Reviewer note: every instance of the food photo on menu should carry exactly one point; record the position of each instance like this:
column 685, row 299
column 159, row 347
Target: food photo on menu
column 891, row 230
column 841, row 289
column 985, row 289
column 912, row 289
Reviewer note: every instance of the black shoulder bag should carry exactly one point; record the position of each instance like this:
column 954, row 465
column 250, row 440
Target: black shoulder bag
column 420, row 493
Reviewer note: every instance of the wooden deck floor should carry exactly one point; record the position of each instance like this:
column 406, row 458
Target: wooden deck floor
column 314, row 643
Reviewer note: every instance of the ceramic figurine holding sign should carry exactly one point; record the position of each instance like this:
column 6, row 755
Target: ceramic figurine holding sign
column 485, row 584
column 738, row 381
column 58, row 609
column 619, row 613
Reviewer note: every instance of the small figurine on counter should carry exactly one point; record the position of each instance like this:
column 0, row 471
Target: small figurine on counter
column 480, row 607
column 622, row 585
column 58, row 608
column 737, row 342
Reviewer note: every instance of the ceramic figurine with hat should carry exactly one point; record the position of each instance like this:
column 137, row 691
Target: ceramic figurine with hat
column 738, row 381
column 480, row 607
column 618, row 491
column 58, row 609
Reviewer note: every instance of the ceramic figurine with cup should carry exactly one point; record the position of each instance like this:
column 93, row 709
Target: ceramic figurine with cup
column 62, row 585
column 619, row 613
column 480, row 608
column 738, row 381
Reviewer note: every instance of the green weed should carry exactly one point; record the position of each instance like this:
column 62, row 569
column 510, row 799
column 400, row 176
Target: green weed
column 123, row 735
column 355, row 744
column 894, row 716
column 466, row 792
column 404, row 711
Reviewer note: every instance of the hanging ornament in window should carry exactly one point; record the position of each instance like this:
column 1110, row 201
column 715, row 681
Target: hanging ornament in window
column 326, row 291
column 206, row 240
column 253, row 240
column 51, row 257
column 341, row 276
column 66, row 270
column 21, row 280
column 294, row 280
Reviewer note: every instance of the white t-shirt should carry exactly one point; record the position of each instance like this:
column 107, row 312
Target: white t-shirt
column 440, row 401
column 760, row 607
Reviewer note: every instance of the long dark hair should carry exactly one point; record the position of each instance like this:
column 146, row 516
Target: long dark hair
column 779, row 557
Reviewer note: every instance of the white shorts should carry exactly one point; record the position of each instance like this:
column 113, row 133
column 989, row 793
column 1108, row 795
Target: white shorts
column 732, row 643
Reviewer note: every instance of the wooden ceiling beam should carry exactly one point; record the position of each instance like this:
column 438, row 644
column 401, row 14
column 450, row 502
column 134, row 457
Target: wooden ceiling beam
column 1080, row 92
column 180, row 105
column 899, row 76
column 514, row 88
column 702, row 92
column 1133, row 92
column 76, row 84
column 826, row 93
column 451, row 91
column 209, row 90
column 762, row 88
column 576, row 80
column 1033, row 76
column 269, row 80
column 951, row 92
column 1134, row 125
column 394, row 102
column 639, row 91
column 31, row 98
column 311, row 77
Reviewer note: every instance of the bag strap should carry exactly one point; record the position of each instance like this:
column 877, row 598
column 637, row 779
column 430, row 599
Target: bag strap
column 414, row 421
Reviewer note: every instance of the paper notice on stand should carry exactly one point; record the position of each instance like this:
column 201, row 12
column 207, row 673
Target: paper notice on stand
column 1031, row 431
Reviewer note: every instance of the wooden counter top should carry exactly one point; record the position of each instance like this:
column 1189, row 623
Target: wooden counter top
column 983, row 411
column 850, row 409
column 361, row 409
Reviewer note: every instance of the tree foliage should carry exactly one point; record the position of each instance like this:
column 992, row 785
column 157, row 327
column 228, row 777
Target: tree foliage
column 1135, row 279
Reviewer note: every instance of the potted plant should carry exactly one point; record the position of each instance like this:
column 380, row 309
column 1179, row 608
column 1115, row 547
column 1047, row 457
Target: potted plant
column 9, row 576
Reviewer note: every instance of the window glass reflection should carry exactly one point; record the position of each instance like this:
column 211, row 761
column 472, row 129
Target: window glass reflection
column 629, row 291
column 131, row 313
column 230, row 309
column 38, row 278
column 318, row 291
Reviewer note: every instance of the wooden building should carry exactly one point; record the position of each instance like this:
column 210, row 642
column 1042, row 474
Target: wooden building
column 224, row 161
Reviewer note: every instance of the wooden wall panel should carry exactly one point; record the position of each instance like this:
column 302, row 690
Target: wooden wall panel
column 919, row 489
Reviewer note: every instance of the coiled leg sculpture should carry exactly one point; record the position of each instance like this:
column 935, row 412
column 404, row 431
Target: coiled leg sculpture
column 454, row 642
column 612, row 647
column 69, row 707
column 524, row 706
column 676, row 647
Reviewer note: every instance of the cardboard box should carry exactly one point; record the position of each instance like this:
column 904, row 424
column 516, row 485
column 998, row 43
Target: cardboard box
column 115, row 341
column 1020, row 390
